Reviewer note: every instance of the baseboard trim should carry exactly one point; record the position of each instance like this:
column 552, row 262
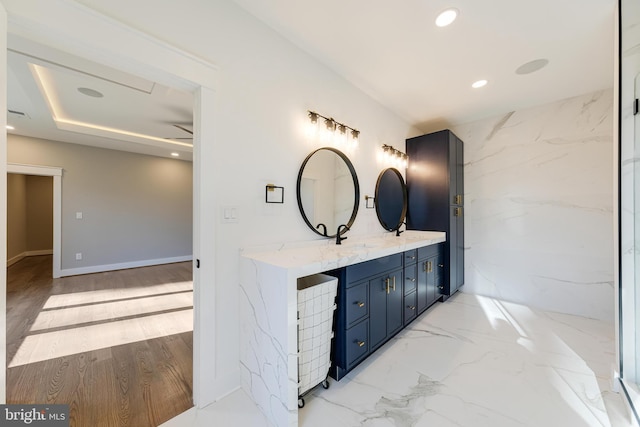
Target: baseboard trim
column 122, row 266
column 16, row 258
column 25, row 254
column 39, row 252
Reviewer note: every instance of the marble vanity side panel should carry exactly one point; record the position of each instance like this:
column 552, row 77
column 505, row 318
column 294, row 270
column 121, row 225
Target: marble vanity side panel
column 538, row 198
column 268, row 355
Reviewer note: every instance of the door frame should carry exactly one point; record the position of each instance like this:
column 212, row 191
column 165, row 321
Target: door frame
column 81, row 31
column 56, row 173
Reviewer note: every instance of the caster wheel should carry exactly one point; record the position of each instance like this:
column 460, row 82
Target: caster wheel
column 300, row 402
column 325, row 384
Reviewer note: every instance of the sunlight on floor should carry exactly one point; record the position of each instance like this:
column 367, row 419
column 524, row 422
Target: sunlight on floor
column 90, row 297
column 576, row 384
column 84, row 321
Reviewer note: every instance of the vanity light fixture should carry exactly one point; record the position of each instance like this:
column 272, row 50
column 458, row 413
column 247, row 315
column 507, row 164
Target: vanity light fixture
column 333, row 130
column 394, row 156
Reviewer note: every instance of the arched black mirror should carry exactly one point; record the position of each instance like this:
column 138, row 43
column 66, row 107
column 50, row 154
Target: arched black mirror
column 328, row 191
column 391, row 199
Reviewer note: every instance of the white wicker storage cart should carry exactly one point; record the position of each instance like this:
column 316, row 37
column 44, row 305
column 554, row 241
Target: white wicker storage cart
column 316, row 304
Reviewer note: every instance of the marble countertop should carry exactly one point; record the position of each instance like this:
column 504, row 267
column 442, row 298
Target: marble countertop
column 323, row 255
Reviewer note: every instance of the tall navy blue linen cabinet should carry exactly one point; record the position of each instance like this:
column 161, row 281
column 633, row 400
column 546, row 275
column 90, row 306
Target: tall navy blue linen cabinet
column 435, row 188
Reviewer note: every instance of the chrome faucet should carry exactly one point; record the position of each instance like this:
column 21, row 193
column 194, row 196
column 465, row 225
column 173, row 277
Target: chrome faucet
column 338, row 238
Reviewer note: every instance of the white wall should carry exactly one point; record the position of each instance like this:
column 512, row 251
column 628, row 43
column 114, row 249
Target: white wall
column 134, row 207
column 538, row 199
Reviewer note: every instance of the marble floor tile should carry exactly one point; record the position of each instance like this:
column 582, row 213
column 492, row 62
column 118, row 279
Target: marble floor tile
column 473, row 361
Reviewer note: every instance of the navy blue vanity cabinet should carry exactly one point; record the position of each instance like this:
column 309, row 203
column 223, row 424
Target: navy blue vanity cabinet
column 430, row 275
column 410, row 285
column 369, row 310
column 435, row 199
column 387, row 315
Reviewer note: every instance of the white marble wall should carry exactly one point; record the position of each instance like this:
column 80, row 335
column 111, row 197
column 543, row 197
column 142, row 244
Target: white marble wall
column 538, row 198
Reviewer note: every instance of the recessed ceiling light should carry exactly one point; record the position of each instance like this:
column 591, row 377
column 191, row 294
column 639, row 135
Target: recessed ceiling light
column 446, row 17
column 9, row 127
column 532, row 66
column 90, row 92
column 175, row 154
column 479, row 84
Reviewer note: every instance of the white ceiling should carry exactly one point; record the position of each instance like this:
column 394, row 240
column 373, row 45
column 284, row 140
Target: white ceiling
column 395, row 53
column 390, row 50
column 133, row 114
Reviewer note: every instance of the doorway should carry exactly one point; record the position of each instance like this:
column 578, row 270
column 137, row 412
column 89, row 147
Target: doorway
column 56, row 175
column 59, row 23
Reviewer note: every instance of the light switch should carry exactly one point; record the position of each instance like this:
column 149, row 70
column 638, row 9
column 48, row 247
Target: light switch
column 78, row 215
column 229, row 214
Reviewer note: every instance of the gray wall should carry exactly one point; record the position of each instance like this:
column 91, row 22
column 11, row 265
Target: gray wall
column 135, row 208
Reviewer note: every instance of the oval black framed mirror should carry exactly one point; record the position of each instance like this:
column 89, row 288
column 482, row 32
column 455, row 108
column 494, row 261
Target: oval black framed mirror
column 328, row 191
column 391, row 199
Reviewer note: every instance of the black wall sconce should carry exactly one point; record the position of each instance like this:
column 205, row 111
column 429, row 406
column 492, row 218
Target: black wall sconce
column 274, row 194
column 369, row 202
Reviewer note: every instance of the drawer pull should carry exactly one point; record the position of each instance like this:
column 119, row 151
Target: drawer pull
column 440, row 265
column 394, row 283
column 411, row 307
column 411, row 279
column 411, row 257
column 360, row 304
column 360, row 343
column 386, row 282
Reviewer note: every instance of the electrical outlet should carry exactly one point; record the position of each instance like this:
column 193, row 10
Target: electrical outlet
column 79, row 256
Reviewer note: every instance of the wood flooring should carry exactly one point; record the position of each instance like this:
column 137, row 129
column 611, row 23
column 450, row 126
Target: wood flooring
column 139, row 384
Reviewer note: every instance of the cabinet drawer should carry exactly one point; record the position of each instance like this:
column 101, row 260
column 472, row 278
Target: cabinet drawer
column 357, row 303
column 410, row 310
column 428, row 251
column 357, row 342
column 410, row 257
column 410, row 279
column 356, row 272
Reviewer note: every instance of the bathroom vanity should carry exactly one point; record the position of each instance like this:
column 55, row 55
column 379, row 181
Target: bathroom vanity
column 388, row 280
